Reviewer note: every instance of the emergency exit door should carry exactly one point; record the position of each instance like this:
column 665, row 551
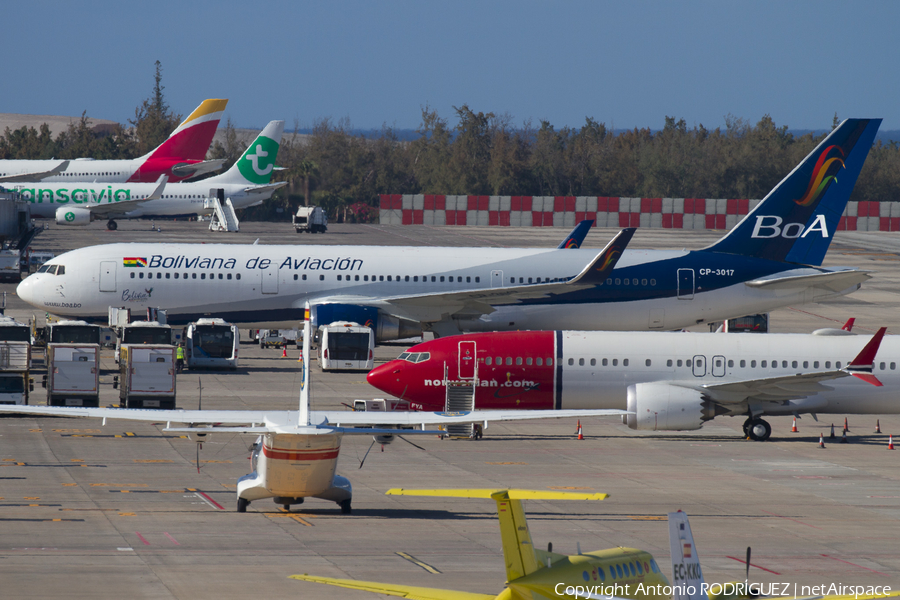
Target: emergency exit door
column 108, row 276
column 466, row 360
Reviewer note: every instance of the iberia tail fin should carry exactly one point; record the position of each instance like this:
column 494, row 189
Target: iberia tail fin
column 686, row 574
column 191, row 139
column 518, row 550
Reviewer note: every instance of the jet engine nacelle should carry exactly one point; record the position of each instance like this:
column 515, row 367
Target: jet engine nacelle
column 72, row 215
column 665, row 407
column 386, row 327
column 384, row 439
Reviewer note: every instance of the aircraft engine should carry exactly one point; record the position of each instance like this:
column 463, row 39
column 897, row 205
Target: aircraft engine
column 386, row 327
column 71, row 215
column 665, row 407
column 384, row 439
column 393, row 328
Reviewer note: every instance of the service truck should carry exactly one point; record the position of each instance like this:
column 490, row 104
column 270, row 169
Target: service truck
column 73, row 374
column 15, row 380
column 311, row 219
column 146, row 376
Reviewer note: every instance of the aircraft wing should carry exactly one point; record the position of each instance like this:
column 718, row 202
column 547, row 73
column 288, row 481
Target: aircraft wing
column 62, row 166
column 403, row 591
column 341, row 418
column 198, row 168
column 123, row 207
column 772, row 389
column 834, row 281
column 430, row 307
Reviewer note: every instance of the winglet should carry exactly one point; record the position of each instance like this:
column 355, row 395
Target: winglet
column 603, row 264
column 861, row 366
column 576, row 238
column 156, row 194
column 848, row 326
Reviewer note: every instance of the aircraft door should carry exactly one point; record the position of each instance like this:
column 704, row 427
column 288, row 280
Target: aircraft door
column 496, row 279
column 685, row 284
column 467, row 360
column 270, row 281
column 107, row 276
column 699, row 365
column 718, row 366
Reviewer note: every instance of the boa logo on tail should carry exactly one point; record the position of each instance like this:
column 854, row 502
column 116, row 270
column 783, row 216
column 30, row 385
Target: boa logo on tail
column 609, row 258
column 823, row 174
column 572, row 244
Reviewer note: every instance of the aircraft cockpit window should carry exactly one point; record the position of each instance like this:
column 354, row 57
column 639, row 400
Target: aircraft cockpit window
column 423, row 356
column 654, row 566
column 61, row 270
column 44, row 269
column 52, row 269
column 403, row 356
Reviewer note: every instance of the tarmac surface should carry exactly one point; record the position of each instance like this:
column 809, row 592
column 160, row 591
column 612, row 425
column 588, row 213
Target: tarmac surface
column 121, row 511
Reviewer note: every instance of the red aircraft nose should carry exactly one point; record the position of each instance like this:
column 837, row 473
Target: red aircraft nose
column 387, row 377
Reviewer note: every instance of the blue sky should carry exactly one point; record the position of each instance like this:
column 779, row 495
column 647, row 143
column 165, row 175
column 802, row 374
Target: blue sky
column 626, row 64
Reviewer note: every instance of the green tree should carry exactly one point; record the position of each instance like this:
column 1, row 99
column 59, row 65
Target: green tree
column 153, row 120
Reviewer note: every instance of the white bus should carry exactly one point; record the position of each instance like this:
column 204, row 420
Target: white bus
column 346, row 346
column 211, row 344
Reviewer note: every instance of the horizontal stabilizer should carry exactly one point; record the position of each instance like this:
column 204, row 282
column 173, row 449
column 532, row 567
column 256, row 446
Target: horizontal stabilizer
column 513, row 494
column 198, row 168
column 868, row 378
column 834, row 281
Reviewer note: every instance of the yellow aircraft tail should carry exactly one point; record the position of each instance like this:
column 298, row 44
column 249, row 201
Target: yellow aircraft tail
column 518, row 550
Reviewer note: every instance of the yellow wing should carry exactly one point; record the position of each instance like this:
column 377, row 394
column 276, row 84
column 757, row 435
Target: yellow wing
column 403, row 591
column 513, row 494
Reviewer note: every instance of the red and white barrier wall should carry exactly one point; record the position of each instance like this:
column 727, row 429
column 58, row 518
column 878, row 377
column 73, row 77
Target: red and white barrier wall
column 565, row 211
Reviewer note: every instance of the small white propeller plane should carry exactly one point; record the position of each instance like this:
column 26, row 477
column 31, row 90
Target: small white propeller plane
column 297, row 452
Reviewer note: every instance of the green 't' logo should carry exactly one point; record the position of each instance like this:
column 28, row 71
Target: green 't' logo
column 70, row 216
column 258, row 161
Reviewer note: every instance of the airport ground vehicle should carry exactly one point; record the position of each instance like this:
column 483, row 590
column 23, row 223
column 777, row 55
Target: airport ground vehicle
column 311, row 219
column 13, row 331
column 142, row 332
column 71, row 332
column 146, row 376
column 346, row 346
column 15, row 379
column 212, row 344
column 73, row 374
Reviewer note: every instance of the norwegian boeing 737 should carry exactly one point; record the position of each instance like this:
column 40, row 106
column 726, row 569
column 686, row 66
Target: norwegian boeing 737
column 181, row 156
column 245, row 184
column 770, row 259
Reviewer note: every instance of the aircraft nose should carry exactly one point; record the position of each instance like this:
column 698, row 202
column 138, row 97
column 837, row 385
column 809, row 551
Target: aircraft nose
column 386, row 377
column 25, row 290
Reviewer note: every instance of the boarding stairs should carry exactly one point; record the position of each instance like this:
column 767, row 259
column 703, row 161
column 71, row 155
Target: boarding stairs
column 223, row 217
column 460, row 397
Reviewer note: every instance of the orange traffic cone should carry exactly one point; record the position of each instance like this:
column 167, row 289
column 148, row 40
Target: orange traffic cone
column 846, row 427
column 832, row 431
column 284, row 351
column 578, row 427
column 890, row 442
column 821, row 440
column 844, row 437
column 794, row 426
column 878, row 426
column 580, row 435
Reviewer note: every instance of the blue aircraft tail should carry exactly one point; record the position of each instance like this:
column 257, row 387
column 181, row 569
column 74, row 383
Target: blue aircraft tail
column 576, row 238
column 796, row 221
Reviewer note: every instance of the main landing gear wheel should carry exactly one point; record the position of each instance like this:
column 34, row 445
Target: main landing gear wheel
column 746, row 426
column 243, row 503
column 345, row 507
column 112, row 225
column 759, row 430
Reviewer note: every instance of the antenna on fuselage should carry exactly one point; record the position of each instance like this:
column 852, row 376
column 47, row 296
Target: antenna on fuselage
column 303, row 418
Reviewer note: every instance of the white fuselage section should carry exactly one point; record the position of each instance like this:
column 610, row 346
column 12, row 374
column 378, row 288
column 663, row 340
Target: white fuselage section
column 267, row 286
column 598, row 367
column 97, row 171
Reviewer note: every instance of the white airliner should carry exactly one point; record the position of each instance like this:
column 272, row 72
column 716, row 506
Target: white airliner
column 666, row 380
column 245, row 184
column 769, row 260
column 181, row 156
column 297, row 452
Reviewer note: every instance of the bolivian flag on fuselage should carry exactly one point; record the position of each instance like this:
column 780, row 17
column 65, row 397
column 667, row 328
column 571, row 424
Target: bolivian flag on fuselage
column 134, row 261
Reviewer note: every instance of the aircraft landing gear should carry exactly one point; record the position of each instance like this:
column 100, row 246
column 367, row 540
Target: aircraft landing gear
column 345, row 507
column 758, row 430
column 112, row 225
column 242, row 505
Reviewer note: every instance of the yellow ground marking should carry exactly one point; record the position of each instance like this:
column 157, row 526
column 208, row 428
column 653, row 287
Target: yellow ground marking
column 568, row 487
column 9, row 460
column 35, row 430
column 151, row 460
column 30, row 498
column 646, row 518
column 118, row 485
column 292, row 516
column 418, row 562
column 69, row 484
column 127, row 514
column 74, row 430
column 505, row 463
column 77, row 460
